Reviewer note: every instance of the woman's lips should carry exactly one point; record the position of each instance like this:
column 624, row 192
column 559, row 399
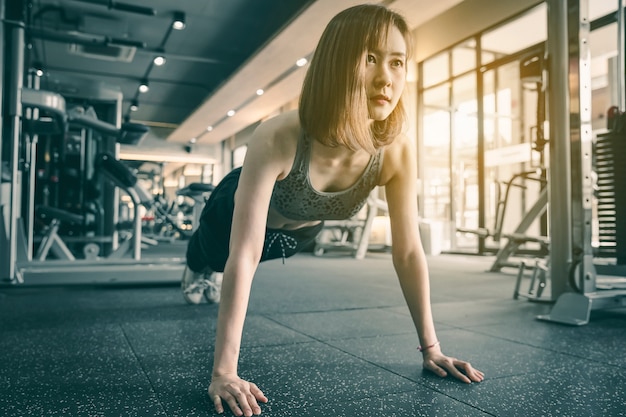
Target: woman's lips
column 380, row 99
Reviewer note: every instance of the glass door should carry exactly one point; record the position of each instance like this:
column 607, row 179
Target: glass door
column 465, row 193
column 480, row 110
column 514, row 144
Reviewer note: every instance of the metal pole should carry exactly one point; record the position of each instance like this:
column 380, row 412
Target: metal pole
column 581, row 138
column 560, row 169
column 2, row 61
column 15, row 82
column 621, row 95
column 30, row 178
column 482, row 189
column 4, row 244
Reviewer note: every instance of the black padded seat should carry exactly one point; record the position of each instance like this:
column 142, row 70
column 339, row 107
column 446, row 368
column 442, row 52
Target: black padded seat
column 132, row 133
column 195, row 189
column 46, row 212
column 522, row 238
column 119, row 173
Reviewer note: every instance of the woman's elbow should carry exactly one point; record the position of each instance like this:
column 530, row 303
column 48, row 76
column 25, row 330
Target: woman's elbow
column 403, row 256
column 243, row 260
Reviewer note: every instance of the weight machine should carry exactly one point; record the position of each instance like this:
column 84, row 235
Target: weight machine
column 27, row 113
column 512, row 244
column 532, row 71
column 516, row 181
column 114, row 267
column 352, row 235
column 576, row 286
column 199, row 193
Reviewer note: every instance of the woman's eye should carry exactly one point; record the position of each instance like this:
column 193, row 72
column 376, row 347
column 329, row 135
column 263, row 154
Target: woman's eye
column 371, row 59
column 398, row 63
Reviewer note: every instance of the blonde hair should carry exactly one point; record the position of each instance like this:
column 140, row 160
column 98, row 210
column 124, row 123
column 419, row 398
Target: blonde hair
column 333, row 105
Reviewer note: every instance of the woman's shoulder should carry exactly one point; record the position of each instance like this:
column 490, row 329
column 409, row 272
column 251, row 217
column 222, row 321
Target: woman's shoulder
column 275, row 140
column 284, row 126
column 397, row 155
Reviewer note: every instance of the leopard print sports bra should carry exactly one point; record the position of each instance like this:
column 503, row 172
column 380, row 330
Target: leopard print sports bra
column 295, row 198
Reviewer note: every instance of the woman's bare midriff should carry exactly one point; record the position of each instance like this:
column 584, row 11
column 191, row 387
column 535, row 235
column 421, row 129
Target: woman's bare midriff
column 275, row 220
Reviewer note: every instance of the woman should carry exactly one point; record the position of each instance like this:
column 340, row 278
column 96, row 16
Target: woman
column 317, row 164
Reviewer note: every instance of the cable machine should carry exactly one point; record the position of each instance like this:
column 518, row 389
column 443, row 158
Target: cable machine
column 22, row 105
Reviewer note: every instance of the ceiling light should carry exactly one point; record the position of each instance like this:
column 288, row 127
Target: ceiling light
column 134, row 105
column 230, row 113
column 179, row 21
column 159, row 60
column 209, row 128
column 301, row 62
column 143, row 87
column 192, row 140
column 259, row 92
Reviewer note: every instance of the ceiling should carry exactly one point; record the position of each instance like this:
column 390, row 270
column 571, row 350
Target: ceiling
column 226, row 52
column 90, row 40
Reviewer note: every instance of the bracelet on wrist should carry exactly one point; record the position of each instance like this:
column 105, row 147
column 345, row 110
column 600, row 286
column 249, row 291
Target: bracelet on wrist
column 423, row 348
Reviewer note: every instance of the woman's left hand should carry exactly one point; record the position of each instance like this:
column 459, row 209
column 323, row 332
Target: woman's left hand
column 441, row 365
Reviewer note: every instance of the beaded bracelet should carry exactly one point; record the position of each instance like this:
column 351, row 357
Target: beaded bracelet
column 421, row 349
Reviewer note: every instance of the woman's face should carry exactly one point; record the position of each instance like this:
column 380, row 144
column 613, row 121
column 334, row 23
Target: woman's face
column 385, row 75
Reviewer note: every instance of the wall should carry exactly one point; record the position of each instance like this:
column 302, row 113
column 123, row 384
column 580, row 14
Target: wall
column 462, row 21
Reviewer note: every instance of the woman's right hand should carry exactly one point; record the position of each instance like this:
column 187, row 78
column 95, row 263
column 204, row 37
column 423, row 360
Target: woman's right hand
column 241, row 396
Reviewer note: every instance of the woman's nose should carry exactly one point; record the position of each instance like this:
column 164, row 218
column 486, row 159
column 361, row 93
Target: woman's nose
column 382, row 77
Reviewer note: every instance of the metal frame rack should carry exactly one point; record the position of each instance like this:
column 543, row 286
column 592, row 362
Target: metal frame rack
column 574, row 280
column 21, row 103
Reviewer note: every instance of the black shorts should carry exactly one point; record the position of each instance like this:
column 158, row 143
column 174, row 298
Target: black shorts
column 209, row 245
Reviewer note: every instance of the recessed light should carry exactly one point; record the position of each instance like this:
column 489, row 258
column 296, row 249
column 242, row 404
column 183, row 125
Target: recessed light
column 143, row 87
column 178, row 22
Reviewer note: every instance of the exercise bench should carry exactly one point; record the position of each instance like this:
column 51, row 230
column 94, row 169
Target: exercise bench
column 51, row 241
column 122, row 177
column 199, row 192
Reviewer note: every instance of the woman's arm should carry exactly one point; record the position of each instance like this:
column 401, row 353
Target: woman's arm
column 264, row 163
column 409, row 260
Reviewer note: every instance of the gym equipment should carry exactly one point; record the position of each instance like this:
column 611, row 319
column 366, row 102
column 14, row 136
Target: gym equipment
column 350, row 235
column 199, row 193
column 532, row 71
column 126, row 180
column 574, row 281
column 532, row 75
column 519, row 236
column 129, row 133
column 121, row 176
column 539, row 277
column 501, row 207
column 16, row 105
column 609, row 150
column 58, row 121
column 336, row 235
column 54, row 105
column 52, row 241
column 21, row 268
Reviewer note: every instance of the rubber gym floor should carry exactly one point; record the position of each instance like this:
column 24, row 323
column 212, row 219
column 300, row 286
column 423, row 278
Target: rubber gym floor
column 325, row 336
